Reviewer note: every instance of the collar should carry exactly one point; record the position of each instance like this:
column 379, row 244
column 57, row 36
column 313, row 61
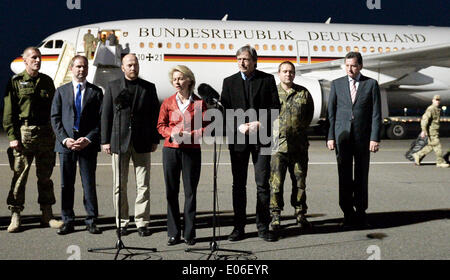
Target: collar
column 358, row 78
column 191, row 98
column 75, row 84
column 244, row 77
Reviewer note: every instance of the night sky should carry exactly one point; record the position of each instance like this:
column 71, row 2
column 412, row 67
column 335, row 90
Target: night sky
column 27, row 22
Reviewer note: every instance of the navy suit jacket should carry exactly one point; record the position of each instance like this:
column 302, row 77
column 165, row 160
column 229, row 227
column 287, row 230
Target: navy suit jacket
column 63, row 116
column 364, row 114
column 263, row 95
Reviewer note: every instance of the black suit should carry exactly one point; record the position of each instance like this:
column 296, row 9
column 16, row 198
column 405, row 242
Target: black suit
column 259, row 92
column 62, row 119
column 138, row 116
column 353, row 126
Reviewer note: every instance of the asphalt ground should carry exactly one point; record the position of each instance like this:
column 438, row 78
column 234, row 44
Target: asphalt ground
column 409, row 210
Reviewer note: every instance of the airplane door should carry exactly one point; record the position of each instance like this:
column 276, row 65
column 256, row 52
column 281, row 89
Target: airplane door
column 303, row 52
column 81, row 32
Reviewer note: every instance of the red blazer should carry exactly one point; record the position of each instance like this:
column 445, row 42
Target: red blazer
column 171, row 119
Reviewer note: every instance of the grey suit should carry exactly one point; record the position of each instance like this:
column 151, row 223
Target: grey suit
column 62, row 119
column 353, row 126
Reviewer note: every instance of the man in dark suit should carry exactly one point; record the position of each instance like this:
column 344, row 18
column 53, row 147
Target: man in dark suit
column 249, row 89
column 75, row 118
column 354, row 113
column 132, row 105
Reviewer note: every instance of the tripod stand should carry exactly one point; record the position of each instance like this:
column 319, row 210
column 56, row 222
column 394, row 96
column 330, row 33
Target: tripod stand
column 213, row 246
column 121, row 102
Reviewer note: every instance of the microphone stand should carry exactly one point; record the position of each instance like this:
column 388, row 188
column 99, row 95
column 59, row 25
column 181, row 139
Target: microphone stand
column 213, row 246
column 119, row 243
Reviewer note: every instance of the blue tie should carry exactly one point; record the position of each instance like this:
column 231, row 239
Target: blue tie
column 77, row 108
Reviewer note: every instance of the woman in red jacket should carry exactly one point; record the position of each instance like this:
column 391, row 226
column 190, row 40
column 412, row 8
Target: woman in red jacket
column 181, row 124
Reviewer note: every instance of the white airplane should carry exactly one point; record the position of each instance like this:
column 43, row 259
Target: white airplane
column 410, row 63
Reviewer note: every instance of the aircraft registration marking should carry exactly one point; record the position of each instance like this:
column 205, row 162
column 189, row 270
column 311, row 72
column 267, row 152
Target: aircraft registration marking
column 151, row 57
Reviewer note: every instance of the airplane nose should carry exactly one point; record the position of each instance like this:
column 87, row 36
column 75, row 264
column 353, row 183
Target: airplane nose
column 17, row 65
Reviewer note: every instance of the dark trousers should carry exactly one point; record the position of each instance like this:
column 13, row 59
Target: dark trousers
column 239, row 168
column 353, row 157
column 88, row 164
column 188, row 162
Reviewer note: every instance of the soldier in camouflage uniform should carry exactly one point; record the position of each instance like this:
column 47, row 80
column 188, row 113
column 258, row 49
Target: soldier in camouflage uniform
column 291, row 144
column 430, row 127
column 89, row 44
column 26, row 121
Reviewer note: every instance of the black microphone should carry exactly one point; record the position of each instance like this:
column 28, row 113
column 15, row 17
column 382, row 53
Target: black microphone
column 209, row 95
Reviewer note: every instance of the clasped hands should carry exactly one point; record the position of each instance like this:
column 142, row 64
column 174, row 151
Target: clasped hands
column 249, row 128
column 77, row 145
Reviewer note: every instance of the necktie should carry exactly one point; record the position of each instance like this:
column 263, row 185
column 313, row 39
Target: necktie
column 77, row 108
column 353, row 90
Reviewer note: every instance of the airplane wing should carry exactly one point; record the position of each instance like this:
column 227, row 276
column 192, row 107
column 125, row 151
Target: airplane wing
column 387, row 67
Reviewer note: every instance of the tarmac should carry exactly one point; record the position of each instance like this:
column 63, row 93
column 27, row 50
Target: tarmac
column 409, row 210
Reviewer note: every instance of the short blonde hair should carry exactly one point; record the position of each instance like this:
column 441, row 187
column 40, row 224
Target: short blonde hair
column 187, row 74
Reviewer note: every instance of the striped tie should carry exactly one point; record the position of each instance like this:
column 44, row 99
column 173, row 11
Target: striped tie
column 353, row 91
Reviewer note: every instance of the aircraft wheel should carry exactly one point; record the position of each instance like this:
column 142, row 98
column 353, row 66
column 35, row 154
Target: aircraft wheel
column 396, row 131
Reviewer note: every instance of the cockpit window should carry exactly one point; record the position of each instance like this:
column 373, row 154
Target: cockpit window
column 41, row 44
column 49, row 45
column 58, row 44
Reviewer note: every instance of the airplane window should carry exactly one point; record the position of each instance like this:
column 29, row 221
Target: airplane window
column 257, row 47
column 160, row 45
column 150, row 45
column 347, row 48
column 41, row 44
column 178, row 45
column 324, row 48
column 331, row 48
column 265, row 47
column 380, row 49
column 315, row 48
column 356, row 49
column 205, row 46
column 49, row 45
column 230, row 46
column 222, row 46
column 169, row 45
column 364, row 49
column 290, row 47
column 59, row 44
column 388, row 49
column 340, row 49
column 395, row 49
column 274, row 47
column 282, row 47
column 213, row 46
column 403, row 48
column 186, row 45
column 372, row 49
column 141, row 45
column 195, row 46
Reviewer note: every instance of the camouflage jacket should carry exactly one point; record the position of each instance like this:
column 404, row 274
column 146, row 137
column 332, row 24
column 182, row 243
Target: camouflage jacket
column 430, row 120
column 296, row 113
column 27, row 98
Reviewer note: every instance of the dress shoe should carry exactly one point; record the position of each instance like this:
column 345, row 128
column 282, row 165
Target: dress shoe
column 92, row 228
column 236, row 235
column 190, row 242
column 123, row 231
column 173, row 241
column 66, row 229
column 267, row 235
column 143, row 231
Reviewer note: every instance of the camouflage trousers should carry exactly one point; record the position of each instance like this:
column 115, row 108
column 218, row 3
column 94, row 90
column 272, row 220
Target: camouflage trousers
column 37, row 142
column 433, row 145
column 297, row 164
